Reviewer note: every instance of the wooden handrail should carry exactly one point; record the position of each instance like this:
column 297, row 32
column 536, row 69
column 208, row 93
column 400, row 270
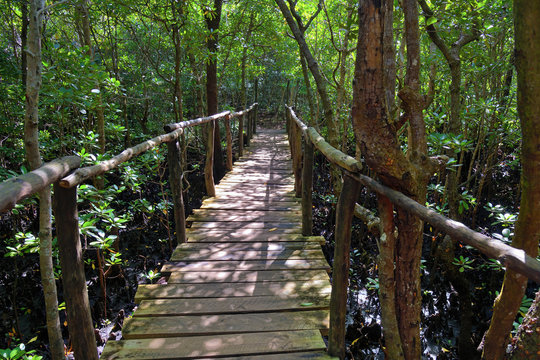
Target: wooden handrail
column 331, row 153
column 15, row 189
column 512, row 258
column 83, row 174
column 65, row 206
column 189, row 123
column 515, row 259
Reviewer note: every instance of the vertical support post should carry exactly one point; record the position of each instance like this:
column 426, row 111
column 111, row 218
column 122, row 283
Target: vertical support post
column 255, row 118
column 241, row 135
column 297, row 158
column 175, row 179
column 307, row 188
column 229, row 142
column 81, row 328
column 209, row 165
column 340, row 269
column 249, row 129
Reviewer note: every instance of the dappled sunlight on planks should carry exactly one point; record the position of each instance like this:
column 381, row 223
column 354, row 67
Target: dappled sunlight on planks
column 246, row 284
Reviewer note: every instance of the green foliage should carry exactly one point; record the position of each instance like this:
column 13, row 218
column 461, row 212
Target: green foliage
column 19, row 352
column 372, row 284
column 464, row 263
column 24, row 243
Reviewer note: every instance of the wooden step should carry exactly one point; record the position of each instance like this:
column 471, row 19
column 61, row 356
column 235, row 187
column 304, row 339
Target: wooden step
column 319, row 355
column 245, row 215
column 226, row 255
column 243, row 265
column 187, row 325
column 198, row 347
column 294, row 228
column 254, row 304
column 241, row 204
column 261, row 246
column 218, row 290
column 238, row 276
column 247, row 235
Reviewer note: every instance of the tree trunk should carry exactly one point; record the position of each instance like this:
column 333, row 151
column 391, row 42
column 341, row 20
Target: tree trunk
column 527, row 233
column 333, row 128
column 378, row 143
column 312, row 112
column 24, row 37
column 527, row 340
column 387, row 291
column 31, row 133
column 212, row 17
column 84, row 22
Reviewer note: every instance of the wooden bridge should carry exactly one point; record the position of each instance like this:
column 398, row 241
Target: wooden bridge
column 246, row 283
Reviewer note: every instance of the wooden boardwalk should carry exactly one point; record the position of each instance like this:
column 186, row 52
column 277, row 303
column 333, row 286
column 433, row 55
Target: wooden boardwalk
column 247, row 284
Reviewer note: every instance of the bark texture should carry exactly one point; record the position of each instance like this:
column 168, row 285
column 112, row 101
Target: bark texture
column 527, row 233
column 31, row 143
column 376, row 136
column 297, row 28
column 213, row 17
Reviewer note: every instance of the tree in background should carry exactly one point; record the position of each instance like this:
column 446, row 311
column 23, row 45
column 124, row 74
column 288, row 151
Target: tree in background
column 212, row 17
column 33, row 156
column 527, row 234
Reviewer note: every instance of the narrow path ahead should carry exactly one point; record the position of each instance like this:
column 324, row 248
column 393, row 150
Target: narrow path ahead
column 247, row 284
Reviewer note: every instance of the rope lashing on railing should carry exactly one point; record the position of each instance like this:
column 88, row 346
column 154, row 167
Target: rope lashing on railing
column 515, row 259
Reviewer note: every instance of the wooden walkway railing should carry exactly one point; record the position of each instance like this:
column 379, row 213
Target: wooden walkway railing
column 246, row 284
column 66, row 175
column 509, row 256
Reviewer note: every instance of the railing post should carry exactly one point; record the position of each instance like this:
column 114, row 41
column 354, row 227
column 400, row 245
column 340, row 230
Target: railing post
column 255, row 117
column 307, row 188
column 241, row 135
column 175, row 178
column 248, row 125
column 340, row 268
column 209, row 165
column 81, row 329
column 297, row 158
column 229, row 142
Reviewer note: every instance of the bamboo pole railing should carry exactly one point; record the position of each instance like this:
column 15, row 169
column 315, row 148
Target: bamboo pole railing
column 65, row 175
column 510, row 257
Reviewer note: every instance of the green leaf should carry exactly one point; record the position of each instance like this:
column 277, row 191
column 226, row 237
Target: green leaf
column 306, row 304
column 431, row 21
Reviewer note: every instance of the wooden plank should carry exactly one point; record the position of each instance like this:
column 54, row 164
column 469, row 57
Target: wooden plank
column 259, row 304
column 226, row 255
column 248, row 235
column 320, row 355
column 245, row 215
column 197, row 347
column 240, row 204
column 271, row 196
column 284, row 289
column 243, row 212
column 254, row 181
column 248, row 164
column 218, row 290
column 175, row 326
column 235, row 246
column 246, row 276
column 294, row 227
column 241, row 265
column 250, row 188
